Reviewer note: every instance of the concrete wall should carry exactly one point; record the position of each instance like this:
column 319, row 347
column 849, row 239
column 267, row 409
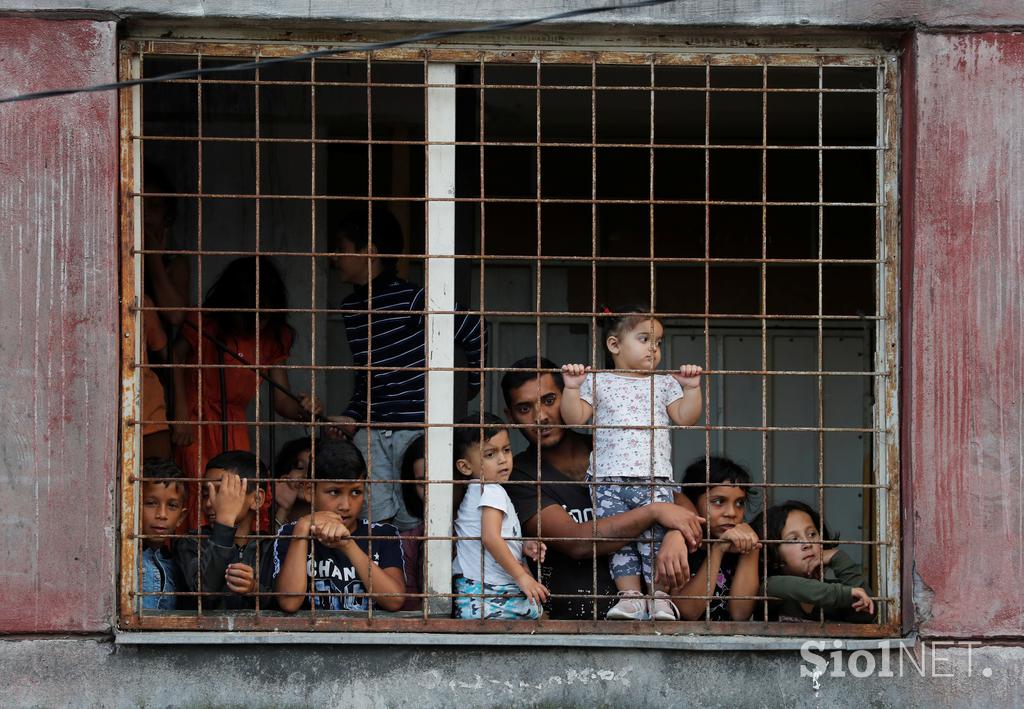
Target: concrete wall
column 86, row 672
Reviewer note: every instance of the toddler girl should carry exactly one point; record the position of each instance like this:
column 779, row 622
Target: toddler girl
column 631, row 462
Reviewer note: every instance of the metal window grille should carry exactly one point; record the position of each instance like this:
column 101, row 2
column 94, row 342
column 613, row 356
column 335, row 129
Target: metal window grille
column 748, row 199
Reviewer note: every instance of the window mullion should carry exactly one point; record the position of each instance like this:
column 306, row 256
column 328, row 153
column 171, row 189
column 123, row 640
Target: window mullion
column 440, row 298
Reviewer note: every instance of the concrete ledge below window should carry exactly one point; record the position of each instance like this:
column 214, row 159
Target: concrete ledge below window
column 665, row 642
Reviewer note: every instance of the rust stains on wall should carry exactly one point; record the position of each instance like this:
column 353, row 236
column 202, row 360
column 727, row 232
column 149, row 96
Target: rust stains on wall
column 965, row 422
column 58, row 328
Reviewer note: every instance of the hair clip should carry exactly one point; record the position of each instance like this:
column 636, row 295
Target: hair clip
column 606, row 310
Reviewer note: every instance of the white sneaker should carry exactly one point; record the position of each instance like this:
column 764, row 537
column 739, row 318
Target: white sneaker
column 631, row 606
column 662, row 608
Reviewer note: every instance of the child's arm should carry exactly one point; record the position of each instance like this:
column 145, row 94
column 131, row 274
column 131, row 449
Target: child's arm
column 847, row 571
column 292, row 578
column 228, row 501
column 745, row 582
column 575, row 411
column 687, row 410
column 170, row 284
column 217, row 552
column 156, row 336
column 468, row 336
column 388, row 584
column 182, row 434
column 744, row 542
column 693, row 608
column 821, row 594
column 490, row 534
column 288, row 407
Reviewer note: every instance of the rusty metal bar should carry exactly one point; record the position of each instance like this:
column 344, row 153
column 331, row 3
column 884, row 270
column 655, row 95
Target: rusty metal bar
column 513, row 86
column 527, row 313
column 498, row 144
column 511, row 53
column 725, row 260
column 130, row 441
column 520, row 200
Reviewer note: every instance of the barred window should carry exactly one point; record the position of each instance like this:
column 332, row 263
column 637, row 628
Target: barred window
column 366, row 246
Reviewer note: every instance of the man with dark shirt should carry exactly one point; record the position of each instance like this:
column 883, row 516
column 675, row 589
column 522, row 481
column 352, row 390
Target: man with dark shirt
column 560, row 509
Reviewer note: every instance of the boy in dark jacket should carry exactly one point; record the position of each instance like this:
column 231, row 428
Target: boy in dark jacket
column 232, row 568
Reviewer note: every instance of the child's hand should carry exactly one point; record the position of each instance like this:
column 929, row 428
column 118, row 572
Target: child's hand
column 311, row 404
column 688, row 522
column 240, row 578
column 672, row 564
column 345, row 428
column 228, row 498
column 331, row 533
column 535, row 591
column 573, row 375
column 742, row 539
column 688, row 376
column 535, row 550
column 862, row 601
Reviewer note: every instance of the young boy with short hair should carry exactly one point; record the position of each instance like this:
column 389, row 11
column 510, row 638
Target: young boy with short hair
column 231, row 498
column 489, row 551
column 346, row 552
column 164, row 496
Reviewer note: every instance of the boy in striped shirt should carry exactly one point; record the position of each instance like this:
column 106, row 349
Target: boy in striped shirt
column 392, row 336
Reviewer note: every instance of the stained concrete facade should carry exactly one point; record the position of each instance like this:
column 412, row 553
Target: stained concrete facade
column 962, row 442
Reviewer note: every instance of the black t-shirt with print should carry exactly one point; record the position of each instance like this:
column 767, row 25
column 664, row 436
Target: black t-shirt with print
column 333, row 573
column 560, row 573
column 719, row 587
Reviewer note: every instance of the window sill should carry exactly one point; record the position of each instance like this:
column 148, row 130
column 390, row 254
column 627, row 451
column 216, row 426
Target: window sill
column 700, row 643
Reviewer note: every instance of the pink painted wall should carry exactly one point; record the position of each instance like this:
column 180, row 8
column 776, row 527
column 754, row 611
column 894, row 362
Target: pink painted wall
column 58, row 328
column 964, row 341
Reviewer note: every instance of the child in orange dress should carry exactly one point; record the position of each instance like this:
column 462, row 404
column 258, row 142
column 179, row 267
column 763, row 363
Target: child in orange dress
column 228, row 390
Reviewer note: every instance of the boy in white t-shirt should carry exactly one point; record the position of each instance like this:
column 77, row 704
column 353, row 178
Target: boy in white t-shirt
column 491, row 577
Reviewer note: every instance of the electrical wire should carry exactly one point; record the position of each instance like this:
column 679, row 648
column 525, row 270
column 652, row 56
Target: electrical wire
column 388, row 44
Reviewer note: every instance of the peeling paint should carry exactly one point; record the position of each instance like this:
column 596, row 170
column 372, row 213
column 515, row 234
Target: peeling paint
column 966, row 419
column 59, row 325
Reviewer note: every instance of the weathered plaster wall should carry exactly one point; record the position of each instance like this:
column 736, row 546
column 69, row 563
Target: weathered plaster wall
column 58, row 328
column 753, row 13
column 964, row 245
column 88, row 673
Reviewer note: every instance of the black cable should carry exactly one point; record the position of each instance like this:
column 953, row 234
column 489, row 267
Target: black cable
column 389, row 44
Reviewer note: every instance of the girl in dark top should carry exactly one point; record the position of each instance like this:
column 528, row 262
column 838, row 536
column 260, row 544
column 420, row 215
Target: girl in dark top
column 413, row 468
column 291, row 470
column 796, row 565
column 716, row 486
column 413, row 495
